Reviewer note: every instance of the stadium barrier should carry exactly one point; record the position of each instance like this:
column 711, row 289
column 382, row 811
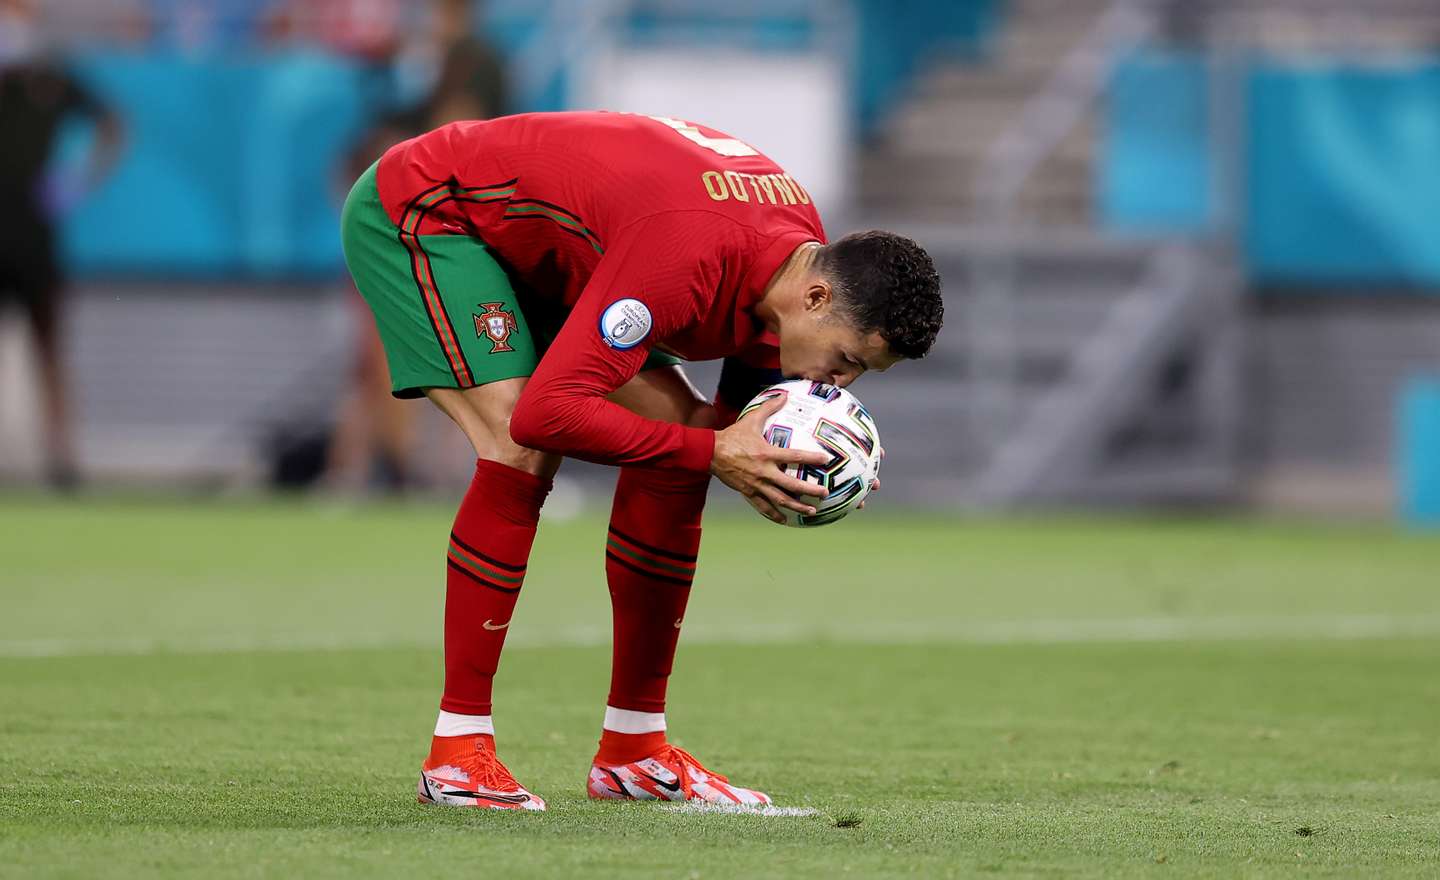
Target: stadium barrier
column 232, row 163
column 231, row 166
column 1418, row 455
column 1338, row 169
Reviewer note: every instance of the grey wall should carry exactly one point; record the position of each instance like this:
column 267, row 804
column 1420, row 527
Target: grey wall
column 1326, row 373
column 189, row 382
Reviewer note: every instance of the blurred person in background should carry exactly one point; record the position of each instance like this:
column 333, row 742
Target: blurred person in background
column 374, row 431
column 470, row 78
column 36, row 95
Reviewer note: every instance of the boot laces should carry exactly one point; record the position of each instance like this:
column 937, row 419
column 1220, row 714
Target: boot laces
column 489, row 772
column 686, row 761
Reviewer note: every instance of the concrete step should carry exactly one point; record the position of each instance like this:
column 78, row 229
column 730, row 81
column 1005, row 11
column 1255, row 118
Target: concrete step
column 1009, row 78
column 956, row 113
column 893, row 167
column 1042, row 45
column 1056, row 215
column 955, row 202
column 942, row 127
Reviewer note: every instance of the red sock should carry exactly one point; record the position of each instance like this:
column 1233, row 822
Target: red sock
column 444, row 749
column 623, row 748
column 489, row 549
column 650, row 563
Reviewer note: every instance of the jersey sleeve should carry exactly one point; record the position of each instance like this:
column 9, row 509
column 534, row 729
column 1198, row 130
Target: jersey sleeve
column 658, row 279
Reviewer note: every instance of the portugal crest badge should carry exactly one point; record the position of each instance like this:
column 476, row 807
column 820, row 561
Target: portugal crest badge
column 496, row 324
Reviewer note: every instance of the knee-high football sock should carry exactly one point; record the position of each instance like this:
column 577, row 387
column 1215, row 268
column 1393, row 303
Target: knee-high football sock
column 650, row 563
column 488, row 553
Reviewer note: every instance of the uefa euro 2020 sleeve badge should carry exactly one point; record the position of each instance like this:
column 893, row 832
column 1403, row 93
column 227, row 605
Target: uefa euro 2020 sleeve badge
column 496, row 324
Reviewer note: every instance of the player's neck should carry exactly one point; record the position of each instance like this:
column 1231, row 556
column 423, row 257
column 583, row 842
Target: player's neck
column 795, row 266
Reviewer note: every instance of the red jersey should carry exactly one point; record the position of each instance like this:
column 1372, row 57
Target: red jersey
column 654, row 231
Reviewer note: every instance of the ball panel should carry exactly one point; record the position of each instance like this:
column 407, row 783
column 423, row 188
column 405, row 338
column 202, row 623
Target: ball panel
column 828, row 419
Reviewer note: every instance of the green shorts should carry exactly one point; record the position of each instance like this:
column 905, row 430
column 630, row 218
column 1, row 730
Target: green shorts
column 447, row 312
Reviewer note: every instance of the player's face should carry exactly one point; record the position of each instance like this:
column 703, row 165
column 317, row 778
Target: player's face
column 824, row 346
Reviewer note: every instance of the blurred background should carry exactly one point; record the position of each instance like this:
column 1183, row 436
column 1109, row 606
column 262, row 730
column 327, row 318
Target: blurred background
column 1191, row 251
column 1191, row 248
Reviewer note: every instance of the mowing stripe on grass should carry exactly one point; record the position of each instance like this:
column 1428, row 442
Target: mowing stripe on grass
column 995, row 632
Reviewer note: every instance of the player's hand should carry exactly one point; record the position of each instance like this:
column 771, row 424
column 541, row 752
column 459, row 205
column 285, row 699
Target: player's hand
column 745, row 462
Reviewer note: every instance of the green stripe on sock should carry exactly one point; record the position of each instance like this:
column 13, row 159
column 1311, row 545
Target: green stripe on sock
column 469, row 561
column 649, row 561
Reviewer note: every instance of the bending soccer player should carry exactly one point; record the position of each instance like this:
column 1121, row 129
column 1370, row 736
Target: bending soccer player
column 539, row 278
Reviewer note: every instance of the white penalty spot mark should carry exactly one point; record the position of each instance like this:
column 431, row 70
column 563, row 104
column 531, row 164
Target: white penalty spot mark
column 767, row 810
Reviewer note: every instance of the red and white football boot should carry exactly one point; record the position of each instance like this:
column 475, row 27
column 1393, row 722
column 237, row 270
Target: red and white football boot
column 670, row 774
column 462, row 771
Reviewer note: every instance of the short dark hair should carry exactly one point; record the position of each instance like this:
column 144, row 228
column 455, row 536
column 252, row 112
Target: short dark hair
column 887, row 283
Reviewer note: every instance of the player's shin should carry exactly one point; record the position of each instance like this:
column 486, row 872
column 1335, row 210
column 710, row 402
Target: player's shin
column 488, row 552
column 650, row 555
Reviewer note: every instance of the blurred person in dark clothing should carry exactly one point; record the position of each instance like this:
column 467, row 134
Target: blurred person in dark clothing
column 464, row 78
column 471, row 80
column 36, row 96
column 468, row 82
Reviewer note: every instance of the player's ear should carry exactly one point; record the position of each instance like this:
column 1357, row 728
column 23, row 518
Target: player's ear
column 818, row 295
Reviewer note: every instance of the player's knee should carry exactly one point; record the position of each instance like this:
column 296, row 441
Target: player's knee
column 524, row 458
column 531, row 461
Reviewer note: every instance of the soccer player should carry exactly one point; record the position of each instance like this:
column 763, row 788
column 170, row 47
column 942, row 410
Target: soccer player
column 539, row 278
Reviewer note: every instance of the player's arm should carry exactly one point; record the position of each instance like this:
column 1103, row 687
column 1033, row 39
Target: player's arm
column 652, row 283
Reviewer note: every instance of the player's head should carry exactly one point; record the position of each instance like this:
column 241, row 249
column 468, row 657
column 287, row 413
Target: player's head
column 857, row 304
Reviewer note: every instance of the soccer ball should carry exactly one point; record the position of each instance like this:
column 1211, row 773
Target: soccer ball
column 830, row 420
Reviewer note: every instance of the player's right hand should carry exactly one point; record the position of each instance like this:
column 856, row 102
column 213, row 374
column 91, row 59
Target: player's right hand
column 745, row 462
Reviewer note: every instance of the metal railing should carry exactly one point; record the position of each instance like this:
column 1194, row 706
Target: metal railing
column 1044, row 121
column 1040, row 443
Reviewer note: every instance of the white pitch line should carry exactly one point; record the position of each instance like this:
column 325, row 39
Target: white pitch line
column 992, row 632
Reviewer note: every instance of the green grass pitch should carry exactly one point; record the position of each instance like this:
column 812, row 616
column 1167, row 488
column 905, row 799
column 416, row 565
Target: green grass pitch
column 247, row 689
